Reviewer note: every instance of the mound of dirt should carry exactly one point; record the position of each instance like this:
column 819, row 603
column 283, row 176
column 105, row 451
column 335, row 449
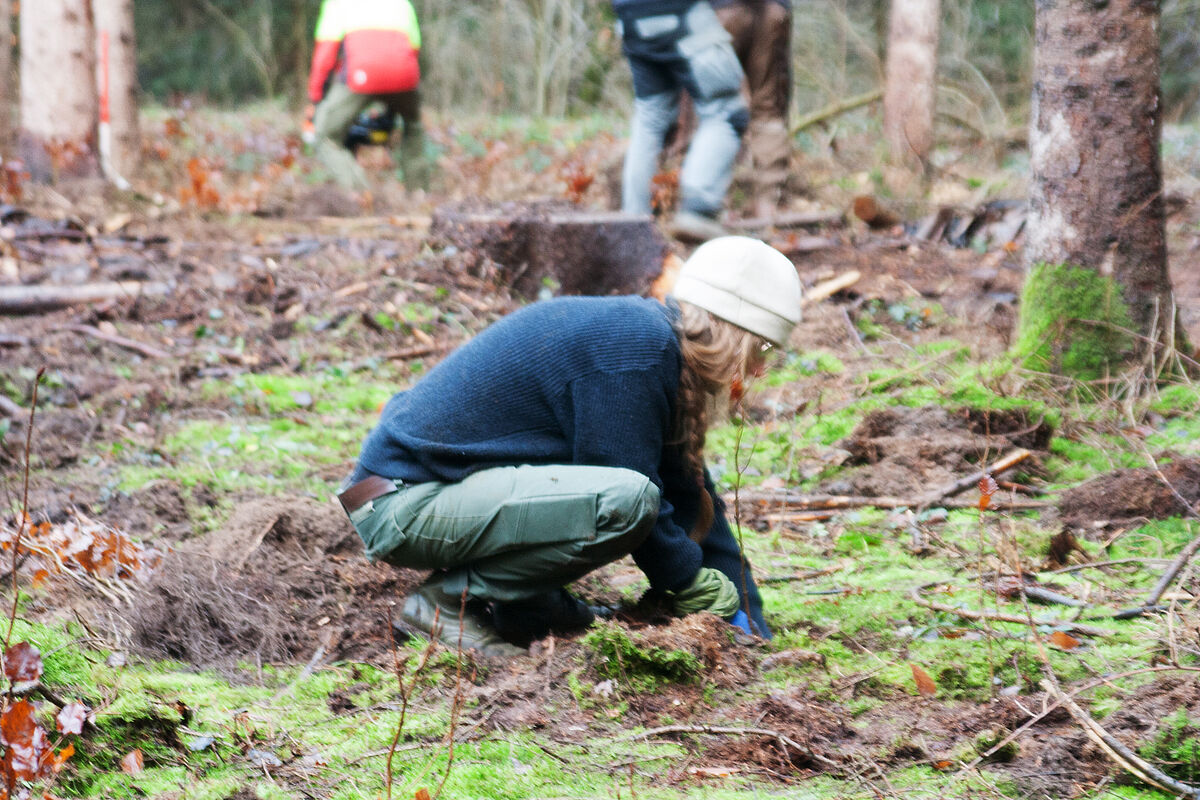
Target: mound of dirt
column 819, row 729
column 282, row 580
column 909, row 451
column 1130, row 494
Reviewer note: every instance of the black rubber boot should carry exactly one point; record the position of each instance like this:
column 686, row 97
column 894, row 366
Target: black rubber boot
column 525, row 621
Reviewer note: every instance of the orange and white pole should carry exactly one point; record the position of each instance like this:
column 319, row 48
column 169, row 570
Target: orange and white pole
column 105, row 129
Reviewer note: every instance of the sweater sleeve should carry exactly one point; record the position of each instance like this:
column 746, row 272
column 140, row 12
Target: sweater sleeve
column 329, row 34
column 722, row 552
column 622, row 420
column 325, row 56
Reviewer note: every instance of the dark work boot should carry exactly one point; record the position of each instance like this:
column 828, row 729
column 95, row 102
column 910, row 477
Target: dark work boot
column 474, row 632
column 525, row 621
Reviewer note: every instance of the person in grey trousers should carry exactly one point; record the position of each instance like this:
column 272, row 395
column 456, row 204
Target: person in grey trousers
column 674, row 46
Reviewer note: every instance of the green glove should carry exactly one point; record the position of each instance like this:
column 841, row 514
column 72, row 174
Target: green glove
column 711, row 591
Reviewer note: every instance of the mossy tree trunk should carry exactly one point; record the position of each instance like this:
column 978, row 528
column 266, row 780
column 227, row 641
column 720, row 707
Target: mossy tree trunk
column 1096, row 194
column 911, row 80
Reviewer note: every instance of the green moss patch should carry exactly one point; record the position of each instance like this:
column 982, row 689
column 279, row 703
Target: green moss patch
column 1073, row 321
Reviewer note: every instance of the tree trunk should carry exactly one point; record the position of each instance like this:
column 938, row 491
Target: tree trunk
column 7, row 84
column 117, row 81
column 58, row 89
column 911, row 79
column 1098, row 289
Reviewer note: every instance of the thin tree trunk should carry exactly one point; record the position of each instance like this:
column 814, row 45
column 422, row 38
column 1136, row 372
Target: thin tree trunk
column 911, row 79
column 58, row 89
column 114, row 33
column 1096, row 193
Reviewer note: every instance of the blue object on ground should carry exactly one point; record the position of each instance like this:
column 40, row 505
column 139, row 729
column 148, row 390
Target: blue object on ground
column 740, row 620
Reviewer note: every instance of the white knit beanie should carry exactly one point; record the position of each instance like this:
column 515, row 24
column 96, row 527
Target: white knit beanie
column 743, row 281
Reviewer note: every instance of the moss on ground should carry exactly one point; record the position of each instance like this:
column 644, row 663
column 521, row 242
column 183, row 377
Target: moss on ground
column 620, row 655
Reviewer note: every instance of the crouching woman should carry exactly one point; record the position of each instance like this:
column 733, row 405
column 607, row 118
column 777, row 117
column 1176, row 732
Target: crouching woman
column 562, row 438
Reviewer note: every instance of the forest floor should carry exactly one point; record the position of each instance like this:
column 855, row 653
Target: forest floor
column 210, row 601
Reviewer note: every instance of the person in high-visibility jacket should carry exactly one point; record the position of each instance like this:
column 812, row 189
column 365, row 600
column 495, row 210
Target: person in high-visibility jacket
column 366, row 52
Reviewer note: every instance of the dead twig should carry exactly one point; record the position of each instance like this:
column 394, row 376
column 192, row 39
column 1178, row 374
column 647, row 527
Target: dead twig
column 977, row 616
column 836, row 109
column 35, row 299
column 829, row 288
column 1119, row 753
column 1003, row 464
column 801, row 576
column 1164, row 583
column 1172, row 571
column 25, row 521
column 417, row 351
column 819, row 502
column 797, row 219
column 854, row 334
column 120, row 341
column 1099, row 564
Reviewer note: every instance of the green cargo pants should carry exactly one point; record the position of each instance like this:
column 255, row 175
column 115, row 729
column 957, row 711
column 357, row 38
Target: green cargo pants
column 511, row 533
column 336, row 113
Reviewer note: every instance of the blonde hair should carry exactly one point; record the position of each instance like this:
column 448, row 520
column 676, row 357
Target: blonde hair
column 715, row 353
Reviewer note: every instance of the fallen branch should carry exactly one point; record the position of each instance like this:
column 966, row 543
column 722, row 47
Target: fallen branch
column 1122, row 755
column 1172, row 571
column 796, row 219
column 801, row 576
column 836, row 109
column 995, row 616
column 1168, row 577
column 814, row 502
column 120, row 341
column 417, row 351
column 1099, row 564
column 1003, row 464
column 34, row 299
column 830, row 287
column 1040, row 594
column 795, row 245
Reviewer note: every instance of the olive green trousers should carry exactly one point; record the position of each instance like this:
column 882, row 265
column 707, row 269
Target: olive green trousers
column 511, row 533
column 336, row 113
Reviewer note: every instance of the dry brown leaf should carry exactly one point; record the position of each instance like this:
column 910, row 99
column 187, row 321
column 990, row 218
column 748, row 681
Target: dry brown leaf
column 1063, row 640
column 925, row 684
column 133, row 762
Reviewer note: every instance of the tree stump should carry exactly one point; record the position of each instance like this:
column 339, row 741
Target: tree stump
column 556, row 244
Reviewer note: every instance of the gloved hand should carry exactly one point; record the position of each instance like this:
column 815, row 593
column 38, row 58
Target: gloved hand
column 711, row 591
column 741, row 622
column 307, row 132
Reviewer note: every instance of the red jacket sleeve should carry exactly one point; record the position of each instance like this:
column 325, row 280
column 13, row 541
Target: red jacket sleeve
column 324, row 59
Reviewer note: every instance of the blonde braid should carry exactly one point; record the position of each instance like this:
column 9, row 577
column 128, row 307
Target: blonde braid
column 715, row 353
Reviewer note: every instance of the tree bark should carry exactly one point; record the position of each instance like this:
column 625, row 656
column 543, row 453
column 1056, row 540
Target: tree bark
column 1096, row 195
column 114, row 32
column 7, row 84
column 911, row 79
column 58, row 89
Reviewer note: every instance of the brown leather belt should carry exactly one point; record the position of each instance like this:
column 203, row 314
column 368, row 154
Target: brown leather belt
column 365, row 491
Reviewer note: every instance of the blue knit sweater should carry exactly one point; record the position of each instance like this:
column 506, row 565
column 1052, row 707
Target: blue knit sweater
column 574, row 380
